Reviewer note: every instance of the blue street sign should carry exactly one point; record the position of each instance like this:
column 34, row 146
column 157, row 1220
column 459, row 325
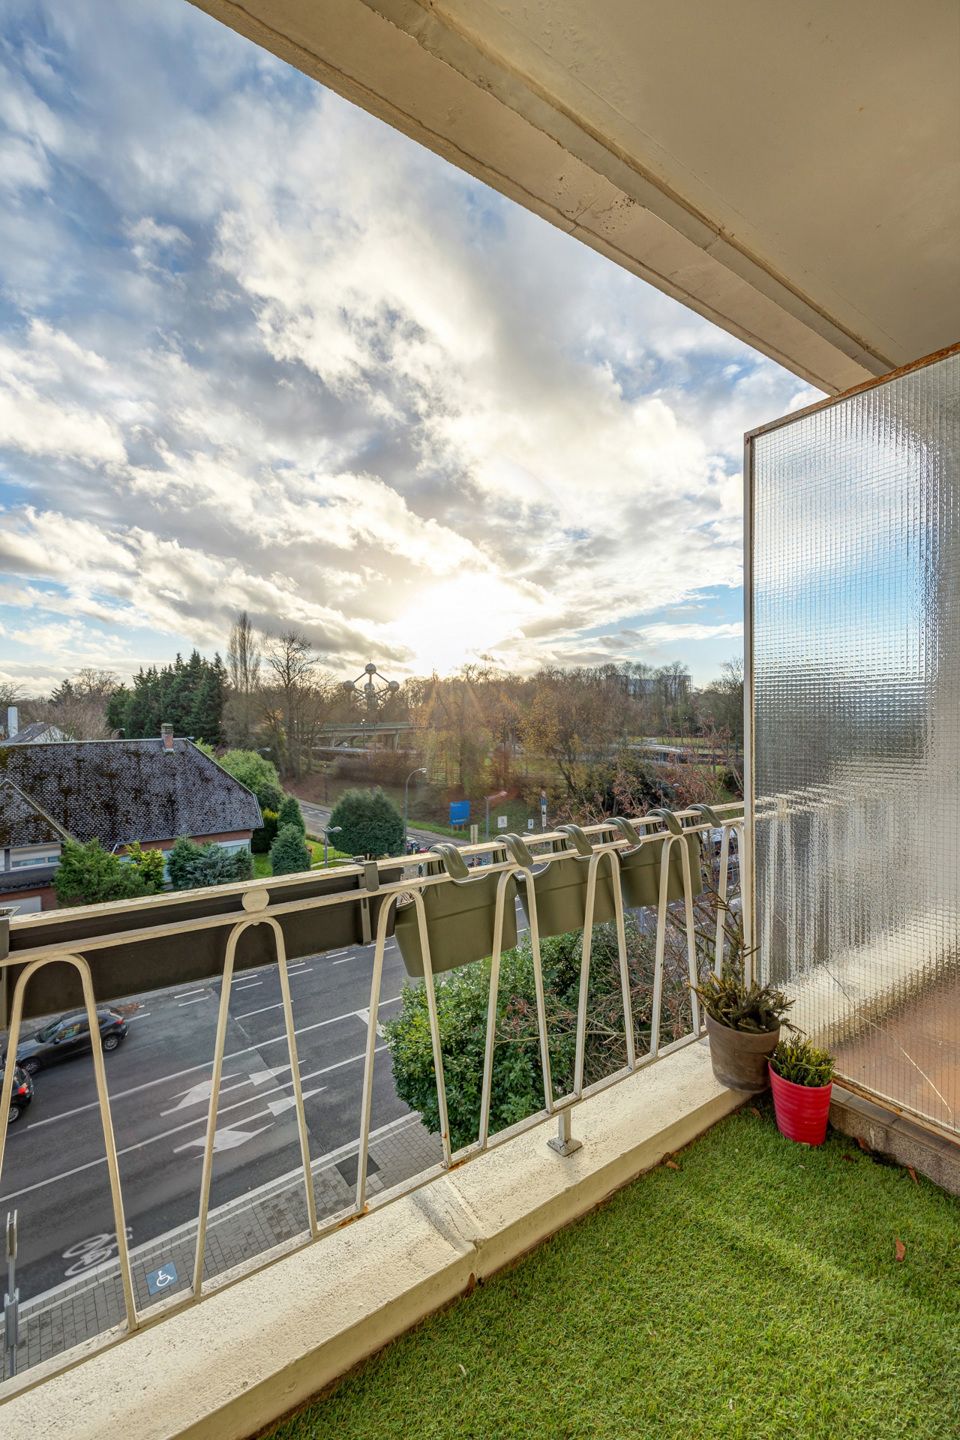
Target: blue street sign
column 459, row 812
column 160, row 1280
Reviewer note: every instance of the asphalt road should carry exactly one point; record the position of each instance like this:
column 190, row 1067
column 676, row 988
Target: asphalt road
column 318, row 818
column 54, row 1172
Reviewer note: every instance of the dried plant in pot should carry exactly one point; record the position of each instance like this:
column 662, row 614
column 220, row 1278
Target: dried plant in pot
column 743, row 1023
column 801, row 1077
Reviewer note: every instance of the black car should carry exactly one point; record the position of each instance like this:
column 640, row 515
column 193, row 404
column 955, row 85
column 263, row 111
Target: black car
column 22, row 1093
column 69, row 1036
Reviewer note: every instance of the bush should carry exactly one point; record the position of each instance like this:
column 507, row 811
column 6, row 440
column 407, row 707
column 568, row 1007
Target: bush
column 150, row 865
column 90, row 875
column 289, row 853
column 258, row 774
column 263, row 838
column 370, row 824
column 291, row 814
column 192, row 866
column 517, row 1089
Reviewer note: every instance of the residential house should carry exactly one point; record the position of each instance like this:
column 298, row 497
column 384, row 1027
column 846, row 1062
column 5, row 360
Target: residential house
column 116, row 791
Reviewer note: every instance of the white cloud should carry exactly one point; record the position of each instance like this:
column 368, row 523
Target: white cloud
column 271, row 355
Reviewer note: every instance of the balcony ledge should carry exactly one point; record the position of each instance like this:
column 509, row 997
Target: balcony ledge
column 253, row 1350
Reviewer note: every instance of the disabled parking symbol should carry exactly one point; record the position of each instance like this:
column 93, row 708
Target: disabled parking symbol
column 160, row 1280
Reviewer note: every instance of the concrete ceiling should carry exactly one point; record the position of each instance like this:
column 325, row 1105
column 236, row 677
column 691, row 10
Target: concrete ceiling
column 789, row 170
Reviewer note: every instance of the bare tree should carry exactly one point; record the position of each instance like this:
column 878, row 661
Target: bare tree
column 78, row 705
column 300, row 694
column 244, row 658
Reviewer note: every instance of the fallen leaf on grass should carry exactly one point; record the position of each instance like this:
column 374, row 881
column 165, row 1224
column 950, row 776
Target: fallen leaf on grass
column 671, row 1164
column 851, row 1158
column 901, row 1251
column 462, row 1369
column 913, row 1174
column 863, row 1144
column 755, row 1111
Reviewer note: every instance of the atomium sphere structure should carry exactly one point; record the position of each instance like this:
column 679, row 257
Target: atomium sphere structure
column 375, row 688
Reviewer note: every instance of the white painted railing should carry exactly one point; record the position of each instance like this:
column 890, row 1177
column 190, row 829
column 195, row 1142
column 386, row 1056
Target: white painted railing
column 261, row 906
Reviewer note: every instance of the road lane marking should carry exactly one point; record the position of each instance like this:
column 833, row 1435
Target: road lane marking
column 345, row 961
column 191, row 1002
column 227, row 1137
column 165, row 1135
column 184, row 993
column 23, row 1129
column 252, row 986
column 143, row 1016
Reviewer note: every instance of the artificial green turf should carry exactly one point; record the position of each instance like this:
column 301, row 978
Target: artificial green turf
column 754, row 1292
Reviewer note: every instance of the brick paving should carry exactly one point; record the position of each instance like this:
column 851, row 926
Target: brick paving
column 92, row 1302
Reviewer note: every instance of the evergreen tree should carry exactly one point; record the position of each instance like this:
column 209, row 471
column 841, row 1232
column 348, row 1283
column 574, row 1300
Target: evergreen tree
column 291, row 814
column 370, row 823
column 193, row 866
column 289, row 853
column 205, row 720
column 189, row 695
column 90, row 875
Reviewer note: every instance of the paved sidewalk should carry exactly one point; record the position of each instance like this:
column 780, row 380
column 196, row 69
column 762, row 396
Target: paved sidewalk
column 92, row 1301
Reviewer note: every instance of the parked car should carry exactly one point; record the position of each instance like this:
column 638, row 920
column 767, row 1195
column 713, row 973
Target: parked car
column 21, row 1096
column 69, row 1036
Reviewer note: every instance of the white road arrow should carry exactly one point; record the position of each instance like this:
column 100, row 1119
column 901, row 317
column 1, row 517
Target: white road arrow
column 260, row 1077
column 225, row 1139
column 277, row 1107
column 193, row 1096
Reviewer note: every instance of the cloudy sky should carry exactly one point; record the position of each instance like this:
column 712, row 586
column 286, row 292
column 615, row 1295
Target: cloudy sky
column 259, row 351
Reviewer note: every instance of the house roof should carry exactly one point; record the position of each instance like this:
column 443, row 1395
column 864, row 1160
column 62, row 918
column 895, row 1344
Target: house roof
column 22, row 821
column 39, row 730
column 119, row 791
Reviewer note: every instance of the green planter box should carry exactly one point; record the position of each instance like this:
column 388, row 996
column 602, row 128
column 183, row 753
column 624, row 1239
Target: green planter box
column 460, row 918
column 560, row 886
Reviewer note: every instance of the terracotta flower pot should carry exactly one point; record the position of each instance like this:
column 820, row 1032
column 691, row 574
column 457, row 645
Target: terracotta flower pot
column 802, row 1111
column 739, row 1057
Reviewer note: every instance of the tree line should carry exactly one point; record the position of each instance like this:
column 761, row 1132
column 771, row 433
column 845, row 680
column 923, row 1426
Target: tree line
column 585, row 731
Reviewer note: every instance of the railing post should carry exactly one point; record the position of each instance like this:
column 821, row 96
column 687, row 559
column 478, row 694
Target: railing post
column 563, row 1142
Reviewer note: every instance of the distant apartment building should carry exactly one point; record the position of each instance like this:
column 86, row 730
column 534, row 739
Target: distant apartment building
column 117, row 791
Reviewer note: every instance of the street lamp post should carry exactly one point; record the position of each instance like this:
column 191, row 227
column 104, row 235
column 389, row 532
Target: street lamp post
column 497, row 795
column 334, row 830
column 419, row 771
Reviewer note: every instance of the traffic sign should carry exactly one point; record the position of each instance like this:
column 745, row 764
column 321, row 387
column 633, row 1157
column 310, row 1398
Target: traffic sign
column 501, row 822
column 459, row 812
column 160, row 1280
column 531, row 824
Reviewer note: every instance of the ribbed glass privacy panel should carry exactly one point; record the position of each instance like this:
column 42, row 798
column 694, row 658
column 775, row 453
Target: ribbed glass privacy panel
column 856, row 655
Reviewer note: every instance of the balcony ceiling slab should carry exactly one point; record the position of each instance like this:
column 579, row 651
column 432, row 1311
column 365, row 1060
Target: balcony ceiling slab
column 791, row 172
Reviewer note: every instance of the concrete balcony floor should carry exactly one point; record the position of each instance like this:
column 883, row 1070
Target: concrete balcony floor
column 752, row 1288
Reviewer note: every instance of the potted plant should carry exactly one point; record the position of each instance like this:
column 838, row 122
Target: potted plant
column 743, row 1023
column 801, row 1077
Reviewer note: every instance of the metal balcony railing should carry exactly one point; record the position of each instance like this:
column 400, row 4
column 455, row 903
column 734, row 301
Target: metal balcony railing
column 96, row 954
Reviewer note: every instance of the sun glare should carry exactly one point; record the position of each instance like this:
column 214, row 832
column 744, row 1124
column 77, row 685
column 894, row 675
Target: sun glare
column 462, row 619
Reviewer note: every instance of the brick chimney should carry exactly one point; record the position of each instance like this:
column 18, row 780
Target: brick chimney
column 166, row 735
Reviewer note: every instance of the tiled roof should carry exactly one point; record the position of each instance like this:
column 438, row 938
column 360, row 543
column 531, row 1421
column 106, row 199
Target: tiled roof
column 39, row 730
column 120, row 791
column 22, row 822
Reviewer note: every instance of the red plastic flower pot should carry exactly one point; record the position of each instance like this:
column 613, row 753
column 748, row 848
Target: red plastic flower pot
column 802, row 1110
